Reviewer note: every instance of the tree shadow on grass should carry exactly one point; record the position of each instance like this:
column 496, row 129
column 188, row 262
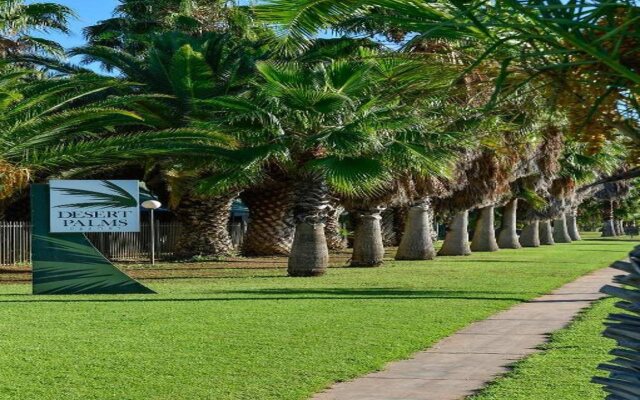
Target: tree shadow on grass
column 303, row 294
column 535, row 262
column 609, row 240
column 171, row 278
column 603, row 251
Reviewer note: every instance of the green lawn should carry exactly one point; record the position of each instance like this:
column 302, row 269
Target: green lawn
column 564, row 370
column 268, row 336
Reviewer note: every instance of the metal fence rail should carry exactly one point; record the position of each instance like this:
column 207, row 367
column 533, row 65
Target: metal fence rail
column 15, row 241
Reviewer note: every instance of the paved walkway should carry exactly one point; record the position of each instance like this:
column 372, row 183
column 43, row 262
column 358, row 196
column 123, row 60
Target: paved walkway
column 461, row 364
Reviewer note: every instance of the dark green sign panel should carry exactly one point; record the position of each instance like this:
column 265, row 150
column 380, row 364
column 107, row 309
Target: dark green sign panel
column 67, row 263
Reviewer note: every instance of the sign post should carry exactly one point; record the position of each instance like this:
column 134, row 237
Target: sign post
column 64, row 260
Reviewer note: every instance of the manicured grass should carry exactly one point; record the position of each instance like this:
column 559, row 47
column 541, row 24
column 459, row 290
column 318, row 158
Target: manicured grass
column 564, row 370
column 267, row 336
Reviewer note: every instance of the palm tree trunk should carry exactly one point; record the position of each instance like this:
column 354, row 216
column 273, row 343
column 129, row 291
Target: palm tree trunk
column 434, row 225
column 416, row 243
column 484, row 236
column 387, row 224
column 271, row 227
column 309, row 252
column 205, row 226
column 546, row 232
column 622, row 233
column 560, row 231
column 530, row 236
column 508, row 237
column 619, row 228
column 400, row 215
column 572, row 225
column 368, row 249
column 456, row 241
column 333, row 229
column 608, row 229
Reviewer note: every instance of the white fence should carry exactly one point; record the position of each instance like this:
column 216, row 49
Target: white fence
column 132, row 246
column 15, row 242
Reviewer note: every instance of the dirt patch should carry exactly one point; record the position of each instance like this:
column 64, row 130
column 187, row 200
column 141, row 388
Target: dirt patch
column 232, row 267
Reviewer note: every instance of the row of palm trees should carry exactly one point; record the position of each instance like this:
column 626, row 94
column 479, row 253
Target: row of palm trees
column 210, row 102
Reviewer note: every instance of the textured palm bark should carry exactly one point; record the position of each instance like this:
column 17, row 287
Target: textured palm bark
column 560, row 230
column 484, row 236
column 309, row 254
column 400, row 215
column 608, row 228
column 205, row 226
column 456, row 241
column 271, row 227
column 416, row 243
column 619, row 228
column 508, row 236
column 546, row 232
column 387, row 224
column 434, row 225
column 333, row 229
column 530, row 236
column 572, row 226
column 368, row 249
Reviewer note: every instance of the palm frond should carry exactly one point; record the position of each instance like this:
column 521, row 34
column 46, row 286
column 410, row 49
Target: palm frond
column 115, row 197
column 352, row 176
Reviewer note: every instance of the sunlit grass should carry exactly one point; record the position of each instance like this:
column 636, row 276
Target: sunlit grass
column 264, row 337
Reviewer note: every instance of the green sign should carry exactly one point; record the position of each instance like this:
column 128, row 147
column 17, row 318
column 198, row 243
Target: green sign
column 67, row 263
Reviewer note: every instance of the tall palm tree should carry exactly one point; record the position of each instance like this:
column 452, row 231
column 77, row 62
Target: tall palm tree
column 19, row 21
column 416, row 240
column 189, row 71
column 134, row 21
column 579, row 166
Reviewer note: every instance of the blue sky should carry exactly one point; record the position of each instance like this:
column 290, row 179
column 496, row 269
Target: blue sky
column 89, row 12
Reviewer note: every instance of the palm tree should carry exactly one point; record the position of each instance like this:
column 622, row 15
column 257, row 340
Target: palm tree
column 416, row 241
column 54, row 125
column 184, row 73
column 609, row 194
column 135, row 21
column 580, row 166
column 18, row 22
column 508, row 236
column 270, row 229
column 532, row 189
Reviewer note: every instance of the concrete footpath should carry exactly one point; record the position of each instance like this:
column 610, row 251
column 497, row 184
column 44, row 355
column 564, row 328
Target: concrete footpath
column 461, row 364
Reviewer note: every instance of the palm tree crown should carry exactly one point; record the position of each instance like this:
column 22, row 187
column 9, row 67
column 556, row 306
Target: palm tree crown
column 18, row 21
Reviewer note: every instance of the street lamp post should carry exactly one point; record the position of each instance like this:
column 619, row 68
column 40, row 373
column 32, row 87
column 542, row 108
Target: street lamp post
column 152, row 205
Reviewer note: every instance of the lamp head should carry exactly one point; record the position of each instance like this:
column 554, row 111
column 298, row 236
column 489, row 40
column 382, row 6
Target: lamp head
column 151, row 204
